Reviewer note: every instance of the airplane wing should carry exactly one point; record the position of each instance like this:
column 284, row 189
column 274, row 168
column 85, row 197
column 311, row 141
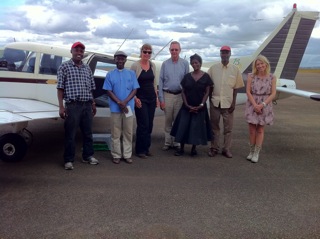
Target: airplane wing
column 14, row 110
column 301, row 93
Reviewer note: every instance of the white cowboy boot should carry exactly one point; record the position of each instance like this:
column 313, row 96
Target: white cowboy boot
column 256, row 152
column 249, row 157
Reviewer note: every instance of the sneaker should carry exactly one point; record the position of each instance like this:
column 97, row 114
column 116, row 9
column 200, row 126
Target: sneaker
column 91, row 160
column 68, row 166
column 166, row 147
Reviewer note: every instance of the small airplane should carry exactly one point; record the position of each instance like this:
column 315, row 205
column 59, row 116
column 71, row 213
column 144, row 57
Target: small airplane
column 28, row 77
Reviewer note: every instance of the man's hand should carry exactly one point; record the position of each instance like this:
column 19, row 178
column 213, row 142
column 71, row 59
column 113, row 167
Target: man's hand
column 62, row 112
column 162, row 105
column 94, row 109
column 125, row 110
column 232, row 108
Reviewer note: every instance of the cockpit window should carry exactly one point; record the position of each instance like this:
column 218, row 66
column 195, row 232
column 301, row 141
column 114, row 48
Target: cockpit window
column 49, row 64
column 13, row 59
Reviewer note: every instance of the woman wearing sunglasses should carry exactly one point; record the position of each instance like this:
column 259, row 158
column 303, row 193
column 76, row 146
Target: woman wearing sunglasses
column 145, row 100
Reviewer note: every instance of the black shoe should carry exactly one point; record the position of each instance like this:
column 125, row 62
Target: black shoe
column 179, row 152
column 143, row 156
column 193, row 152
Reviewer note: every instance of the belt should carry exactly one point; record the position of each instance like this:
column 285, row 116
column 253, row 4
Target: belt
column 173, row 92
column 79, row 102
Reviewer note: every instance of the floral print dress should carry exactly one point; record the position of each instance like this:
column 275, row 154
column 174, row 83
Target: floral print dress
column 261, row 88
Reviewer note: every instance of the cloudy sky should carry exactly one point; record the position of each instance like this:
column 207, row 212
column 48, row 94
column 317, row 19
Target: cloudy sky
column 201, row 26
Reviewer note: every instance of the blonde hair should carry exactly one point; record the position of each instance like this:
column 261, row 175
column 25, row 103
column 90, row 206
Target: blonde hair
column 264, row 60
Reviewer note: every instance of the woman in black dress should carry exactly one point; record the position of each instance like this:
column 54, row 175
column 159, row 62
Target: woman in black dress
column 192, row 125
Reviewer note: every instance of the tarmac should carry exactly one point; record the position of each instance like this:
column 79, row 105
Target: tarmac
column 172, row 197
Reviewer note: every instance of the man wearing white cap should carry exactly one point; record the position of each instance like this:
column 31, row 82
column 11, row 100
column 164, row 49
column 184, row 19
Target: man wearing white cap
column 226, row 79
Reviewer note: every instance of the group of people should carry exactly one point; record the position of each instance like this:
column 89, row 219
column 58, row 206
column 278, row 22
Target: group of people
column 181, row 94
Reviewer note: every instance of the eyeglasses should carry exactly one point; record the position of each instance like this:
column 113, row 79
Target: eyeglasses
column 147, row 52
column 174, row 49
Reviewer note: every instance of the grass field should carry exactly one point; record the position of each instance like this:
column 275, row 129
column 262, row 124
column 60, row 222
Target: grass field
column 309, row 70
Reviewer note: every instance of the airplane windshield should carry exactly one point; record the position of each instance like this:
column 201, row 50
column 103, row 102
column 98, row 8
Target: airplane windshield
column 13, row 59
column 26, row 61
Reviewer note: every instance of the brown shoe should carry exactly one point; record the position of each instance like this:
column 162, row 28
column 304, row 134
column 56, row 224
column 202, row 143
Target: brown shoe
column 212, row 152
column 149, row 154
column 116, row 160
column 128, row 160
column 227, row 153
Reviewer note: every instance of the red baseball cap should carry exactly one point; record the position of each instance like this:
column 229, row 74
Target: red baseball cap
column 78, row 44
column 225, row 48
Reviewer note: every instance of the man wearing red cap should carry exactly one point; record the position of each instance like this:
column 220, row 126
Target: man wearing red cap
column 75, row 86
column 227, row 79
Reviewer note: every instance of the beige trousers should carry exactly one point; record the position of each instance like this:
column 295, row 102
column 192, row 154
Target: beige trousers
column 121, row 126
column 173, row 105
column 215, row 115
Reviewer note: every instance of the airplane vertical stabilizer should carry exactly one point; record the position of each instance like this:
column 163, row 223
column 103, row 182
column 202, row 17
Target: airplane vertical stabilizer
column 286, row 45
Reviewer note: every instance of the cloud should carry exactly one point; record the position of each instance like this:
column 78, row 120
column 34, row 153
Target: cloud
column 201, row 26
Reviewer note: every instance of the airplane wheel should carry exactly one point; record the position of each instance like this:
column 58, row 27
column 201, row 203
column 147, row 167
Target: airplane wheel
column 12, row 147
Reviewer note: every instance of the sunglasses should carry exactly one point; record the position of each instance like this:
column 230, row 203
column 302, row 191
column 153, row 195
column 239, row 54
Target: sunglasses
column 147, row 52
column 174, row 49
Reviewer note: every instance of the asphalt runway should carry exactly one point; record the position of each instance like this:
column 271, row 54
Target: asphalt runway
column 171, row 197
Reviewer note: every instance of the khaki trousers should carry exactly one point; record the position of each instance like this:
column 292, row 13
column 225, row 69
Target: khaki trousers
column 121, row 126
column 215, row 115
column 173, row 105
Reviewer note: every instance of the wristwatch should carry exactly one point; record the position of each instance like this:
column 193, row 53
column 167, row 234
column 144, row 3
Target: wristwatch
column 201, row 104
column 264, row 104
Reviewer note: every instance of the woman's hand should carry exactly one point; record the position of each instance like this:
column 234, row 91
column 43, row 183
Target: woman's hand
column 137, row 102
column 258, row 108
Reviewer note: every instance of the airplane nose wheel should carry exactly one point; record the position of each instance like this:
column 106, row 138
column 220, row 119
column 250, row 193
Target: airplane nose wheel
column 13, row 147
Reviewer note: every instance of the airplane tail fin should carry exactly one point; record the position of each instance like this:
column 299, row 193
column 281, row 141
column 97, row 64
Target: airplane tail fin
column 286, row 45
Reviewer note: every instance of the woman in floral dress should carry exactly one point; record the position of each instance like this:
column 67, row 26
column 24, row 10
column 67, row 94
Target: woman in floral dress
column 261, row 89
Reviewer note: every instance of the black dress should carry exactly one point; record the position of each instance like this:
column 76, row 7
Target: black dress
column 193, row 128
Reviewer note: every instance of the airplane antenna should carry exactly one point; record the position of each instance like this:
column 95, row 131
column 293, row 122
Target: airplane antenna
column 125, row 39
column 161, row 49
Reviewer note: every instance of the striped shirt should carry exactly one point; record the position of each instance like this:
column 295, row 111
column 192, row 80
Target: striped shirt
column 76, row 81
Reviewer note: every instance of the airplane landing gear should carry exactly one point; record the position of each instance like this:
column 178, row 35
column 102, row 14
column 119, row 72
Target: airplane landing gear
column 13, row 147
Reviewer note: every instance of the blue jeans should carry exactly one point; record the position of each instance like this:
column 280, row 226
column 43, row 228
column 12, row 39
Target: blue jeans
column 79, row 114
column 144, row 117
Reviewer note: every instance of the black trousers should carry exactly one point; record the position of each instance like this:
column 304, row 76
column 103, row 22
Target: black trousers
column 144, row 117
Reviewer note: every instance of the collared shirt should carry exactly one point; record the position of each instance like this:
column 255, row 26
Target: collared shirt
column 121, row 83
column 171, row 74
column 76, row 81
column 225, row 80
